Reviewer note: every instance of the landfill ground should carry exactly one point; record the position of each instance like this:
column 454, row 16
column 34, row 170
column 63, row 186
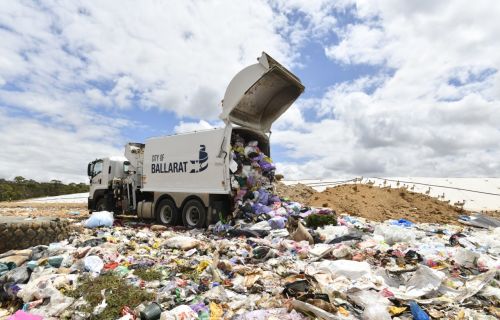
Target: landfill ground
column 424, row 264
column 378, row 204
column 35, row 209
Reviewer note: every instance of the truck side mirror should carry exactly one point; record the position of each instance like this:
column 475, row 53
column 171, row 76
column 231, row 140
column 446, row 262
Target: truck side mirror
column 89, row 169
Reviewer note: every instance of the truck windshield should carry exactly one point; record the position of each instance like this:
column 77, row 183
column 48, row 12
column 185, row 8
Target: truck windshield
column 97, row 168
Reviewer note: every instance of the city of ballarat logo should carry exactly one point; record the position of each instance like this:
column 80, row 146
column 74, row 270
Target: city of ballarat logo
column 202, row 163
column 191, row 166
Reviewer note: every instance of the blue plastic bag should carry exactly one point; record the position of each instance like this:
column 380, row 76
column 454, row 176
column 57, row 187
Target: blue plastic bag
column 263, row 197
column 417, row 312
column 403, row 223
column 277, row 222
column 100, row 219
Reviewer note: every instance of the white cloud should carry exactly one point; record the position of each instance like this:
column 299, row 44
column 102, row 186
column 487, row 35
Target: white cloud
column 48, row 151
column 195, row 126
column 433, row 107
column 68, row 69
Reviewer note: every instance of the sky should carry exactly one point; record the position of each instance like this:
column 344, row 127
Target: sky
column 393, row 88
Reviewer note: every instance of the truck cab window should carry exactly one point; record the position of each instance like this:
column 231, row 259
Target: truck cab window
column 97, row 168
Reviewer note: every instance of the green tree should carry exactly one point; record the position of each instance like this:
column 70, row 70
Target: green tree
column 19, row 179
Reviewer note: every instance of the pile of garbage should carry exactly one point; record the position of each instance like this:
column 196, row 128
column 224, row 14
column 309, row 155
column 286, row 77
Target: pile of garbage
column 252, row 176
column 256, row 202
column 350, row 269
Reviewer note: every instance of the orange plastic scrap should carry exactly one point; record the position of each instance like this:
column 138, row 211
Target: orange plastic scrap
column 343, row 312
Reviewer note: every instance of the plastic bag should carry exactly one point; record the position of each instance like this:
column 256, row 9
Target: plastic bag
column 99, row 219
column 252, row 147
column 402, row 223
column 93, row 264
column 17, row 275
column 374, row 303
column 263, row 225
column 183, row 312
column 277, row 222
column 417, row 312
column 348, row 268
column 395, row 234
column 276, row 313
column 420, row 283
column 465, row 257
column 182, row 242
column 376, row 311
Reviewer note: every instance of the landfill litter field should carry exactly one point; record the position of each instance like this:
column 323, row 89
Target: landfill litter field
column 355, row 269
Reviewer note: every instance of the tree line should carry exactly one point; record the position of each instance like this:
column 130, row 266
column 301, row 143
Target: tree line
column 21, row 188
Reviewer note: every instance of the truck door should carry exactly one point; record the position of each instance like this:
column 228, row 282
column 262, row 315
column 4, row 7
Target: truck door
column 98, row 173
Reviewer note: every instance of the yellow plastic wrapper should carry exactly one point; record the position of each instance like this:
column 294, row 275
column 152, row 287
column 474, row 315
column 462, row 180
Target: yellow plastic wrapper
column 215, row 311
column 239, row 150
column 112, row 239
column 394, row 311
column 267, row 159
column 156, row 245
column 132, row 244
column 202, row 266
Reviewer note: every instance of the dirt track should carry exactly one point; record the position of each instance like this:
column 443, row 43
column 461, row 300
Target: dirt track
column 33, row 209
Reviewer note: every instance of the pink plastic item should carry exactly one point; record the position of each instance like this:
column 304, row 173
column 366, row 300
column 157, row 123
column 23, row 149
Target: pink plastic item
column 21, row 315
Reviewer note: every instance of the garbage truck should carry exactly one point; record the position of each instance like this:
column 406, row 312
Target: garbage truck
column 185, row 178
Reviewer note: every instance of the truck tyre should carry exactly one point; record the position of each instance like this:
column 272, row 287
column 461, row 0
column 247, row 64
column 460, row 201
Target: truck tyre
column 166, row 212
column 101, row 205
column 194, row 214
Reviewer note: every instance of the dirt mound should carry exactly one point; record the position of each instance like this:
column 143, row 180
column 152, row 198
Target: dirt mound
column 297, row 192
column 376, row 203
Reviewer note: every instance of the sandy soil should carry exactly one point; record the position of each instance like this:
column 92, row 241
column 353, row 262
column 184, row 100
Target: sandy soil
column 298, row 192
column 30, row 209
column 377, row 203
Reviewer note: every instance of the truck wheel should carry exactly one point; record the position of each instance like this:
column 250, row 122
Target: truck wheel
column 101, row 205
column 194, row 214
column 166, row 212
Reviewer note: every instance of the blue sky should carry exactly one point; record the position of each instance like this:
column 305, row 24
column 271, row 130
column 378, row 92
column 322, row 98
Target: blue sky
column 392, row 88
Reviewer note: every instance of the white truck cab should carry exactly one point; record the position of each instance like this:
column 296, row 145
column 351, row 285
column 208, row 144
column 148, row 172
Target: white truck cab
column 186, row 177
column 101, row 173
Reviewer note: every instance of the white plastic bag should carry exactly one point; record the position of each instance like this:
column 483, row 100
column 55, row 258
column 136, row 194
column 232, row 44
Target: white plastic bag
column 330, row 232
column 182, row 242
column 262, row 225
column 348, row 268
column 376, row 312
column 395, row 234
column 414, row 285
column 374, row 303
column 183, row 312
column 100, row 219
column 93, row 264
column 465, row 257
